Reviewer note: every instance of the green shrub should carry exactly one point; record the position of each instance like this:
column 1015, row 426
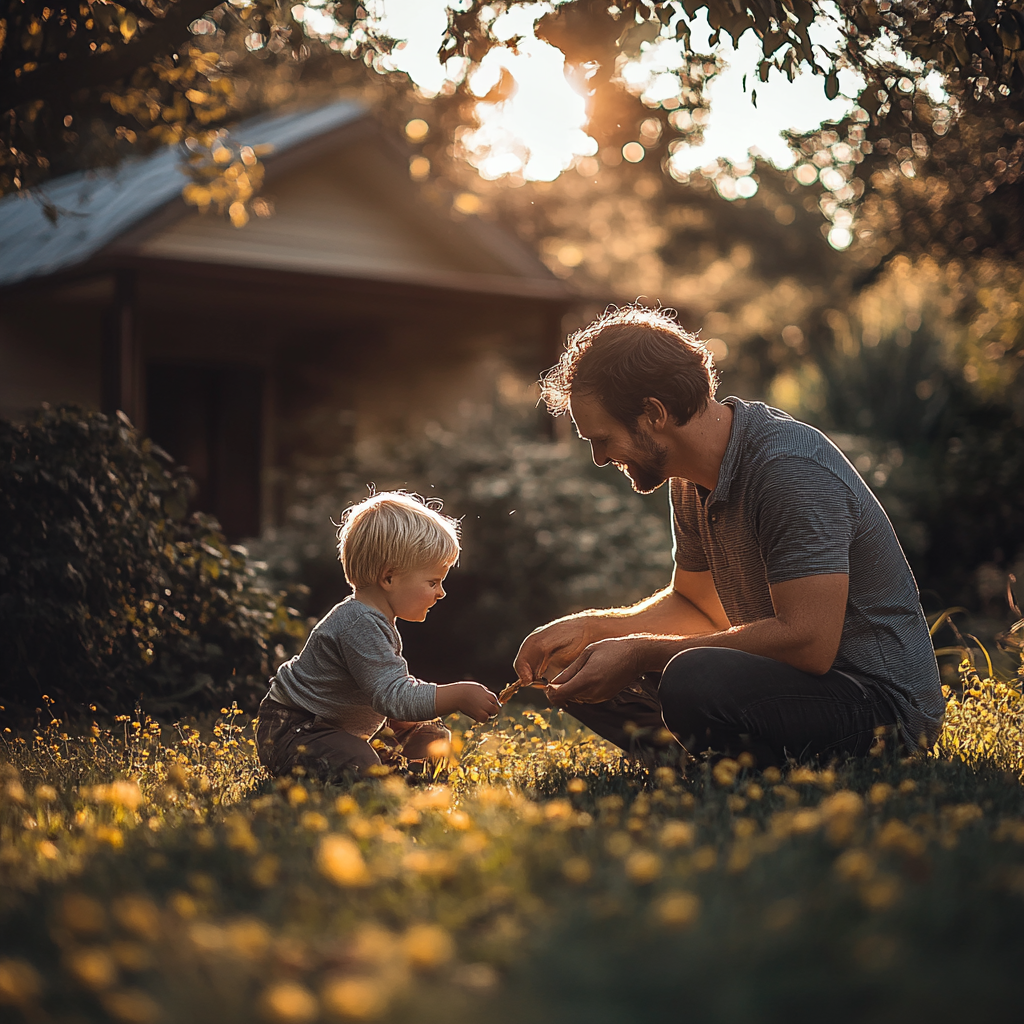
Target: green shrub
column 545, row 533
column 110, row 592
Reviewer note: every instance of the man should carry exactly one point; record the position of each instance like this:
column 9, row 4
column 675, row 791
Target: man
column 793, row 625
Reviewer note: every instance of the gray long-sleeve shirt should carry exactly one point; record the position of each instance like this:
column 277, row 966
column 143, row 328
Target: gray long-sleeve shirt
column 351, row 673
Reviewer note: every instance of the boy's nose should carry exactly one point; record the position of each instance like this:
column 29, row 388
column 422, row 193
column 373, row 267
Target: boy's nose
column 441, row 592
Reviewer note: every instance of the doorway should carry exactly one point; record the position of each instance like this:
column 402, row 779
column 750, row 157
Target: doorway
column 209, row 418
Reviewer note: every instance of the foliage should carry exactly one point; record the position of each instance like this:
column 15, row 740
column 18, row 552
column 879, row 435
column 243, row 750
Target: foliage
column 109, row 591
column 925, row 169
column 83, row 82
column 918, row 380
column 152, row 874
column 544, row 533
column 87, row 83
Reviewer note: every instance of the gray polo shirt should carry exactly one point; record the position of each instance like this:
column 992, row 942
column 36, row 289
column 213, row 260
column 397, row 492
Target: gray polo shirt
column 788, row 504
column 351, row 673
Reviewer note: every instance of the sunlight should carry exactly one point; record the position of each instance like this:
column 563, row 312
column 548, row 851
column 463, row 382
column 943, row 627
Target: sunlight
column 736, row 127
column 532, row 129
column 538, row 131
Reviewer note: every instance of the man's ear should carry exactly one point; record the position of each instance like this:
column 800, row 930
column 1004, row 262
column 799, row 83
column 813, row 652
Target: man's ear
column 656, row 415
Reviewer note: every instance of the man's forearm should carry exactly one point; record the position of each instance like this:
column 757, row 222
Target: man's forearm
column 666, row 613
column 768, row 638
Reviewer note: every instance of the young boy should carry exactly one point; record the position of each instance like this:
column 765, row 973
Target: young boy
column 350, row 681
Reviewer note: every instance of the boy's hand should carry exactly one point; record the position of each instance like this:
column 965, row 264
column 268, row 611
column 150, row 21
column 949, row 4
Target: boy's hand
column 471, row 699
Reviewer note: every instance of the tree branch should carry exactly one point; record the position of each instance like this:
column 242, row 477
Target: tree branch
column 56, row 80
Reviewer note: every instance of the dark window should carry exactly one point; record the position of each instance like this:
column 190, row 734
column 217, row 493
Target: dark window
column 209, row 418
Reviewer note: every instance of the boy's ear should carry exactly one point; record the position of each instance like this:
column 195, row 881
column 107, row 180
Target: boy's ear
column 386, row 578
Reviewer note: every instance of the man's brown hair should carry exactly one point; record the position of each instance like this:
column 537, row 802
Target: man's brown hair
column 627, row 356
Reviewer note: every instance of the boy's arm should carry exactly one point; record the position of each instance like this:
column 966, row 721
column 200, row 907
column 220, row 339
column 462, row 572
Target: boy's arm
column 383, row 675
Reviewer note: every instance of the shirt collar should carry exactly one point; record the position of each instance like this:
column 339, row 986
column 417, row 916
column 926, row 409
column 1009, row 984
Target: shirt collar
column 737, row 433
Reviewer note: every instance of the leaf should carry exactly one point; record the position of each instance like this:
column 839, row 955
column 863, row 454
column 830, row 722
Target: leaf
column 831, row 85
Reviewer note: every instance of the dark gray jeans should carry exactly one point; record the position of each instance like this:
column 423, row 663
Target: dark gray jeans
column 712, row 699
column 287, row 738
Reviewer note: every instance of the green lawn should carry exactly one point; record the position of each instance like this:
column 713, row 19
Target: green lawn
column 155, row 875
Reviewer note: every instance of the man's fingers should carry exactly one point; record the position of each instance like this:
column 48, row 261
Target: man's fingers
column 524, row 671
column 567, row 673
column 575, row 689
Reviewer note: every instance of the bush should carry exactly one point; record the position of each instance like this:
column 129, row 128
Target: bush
column 110, row 592
column 946, row 462
column 545, row 533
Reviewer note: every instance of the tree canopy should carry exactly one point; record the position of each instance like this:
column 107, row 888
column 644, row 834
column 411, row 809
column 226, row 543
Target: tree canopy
column 918, row 166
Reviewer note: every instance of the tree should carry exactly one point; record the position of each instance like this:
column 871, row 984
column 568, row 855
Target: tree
column 87, row 83
column 84, row 82
column 174, row 71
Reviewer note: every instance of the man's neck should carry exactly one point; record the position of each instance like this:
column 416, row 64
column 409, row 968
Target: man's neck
column 696, row 450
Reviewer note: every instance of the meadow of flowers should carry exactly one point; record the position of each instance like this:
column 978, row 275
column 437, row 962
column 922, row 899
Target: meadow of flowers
column 152, row 873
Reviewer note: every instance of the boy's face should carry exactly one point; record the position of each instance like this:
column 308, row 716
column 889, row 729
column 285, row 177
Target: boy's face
column 413, row 592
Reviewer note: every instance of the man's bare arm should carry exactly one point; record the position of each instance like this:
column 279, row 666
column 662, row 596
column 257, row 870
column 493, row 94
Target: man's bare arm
column 688, row 607
column 805, row 633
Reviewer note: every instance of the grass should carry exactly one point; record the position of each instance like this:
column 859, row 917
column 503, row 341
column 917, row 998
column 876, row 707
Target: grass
column 153, row 874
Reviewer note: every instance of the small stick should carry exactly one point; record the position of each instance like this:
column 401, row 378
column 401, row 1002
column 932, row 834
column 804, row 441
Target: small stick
column 514, row 688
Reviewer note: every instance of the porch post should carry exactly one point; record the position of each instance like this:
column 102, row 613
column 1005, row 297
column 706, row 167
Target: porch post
column 120, row 350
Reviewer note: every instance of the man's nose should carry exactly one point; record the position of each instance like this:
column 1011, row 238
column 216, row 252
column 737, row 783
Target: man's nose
column 598, row 452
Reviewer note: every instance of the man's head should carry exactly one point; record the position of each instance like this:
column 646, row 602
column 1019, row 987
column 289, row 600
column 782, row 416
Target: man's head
column 628, row 356
column 618, row 373
column 393, row 532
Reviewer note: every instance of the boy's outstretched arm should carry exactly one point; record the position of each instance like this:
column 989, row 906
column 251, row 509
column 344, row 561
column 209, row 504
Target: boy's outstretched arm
column 471, row 699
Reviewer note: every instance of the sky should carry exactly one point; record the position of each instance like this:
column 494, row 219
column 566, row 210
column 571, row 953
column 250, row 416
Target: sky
column 541, row 130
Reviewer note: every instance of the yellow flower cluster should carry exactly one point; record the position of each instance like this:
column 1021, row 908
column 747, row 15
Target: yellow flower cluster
column 174, row 880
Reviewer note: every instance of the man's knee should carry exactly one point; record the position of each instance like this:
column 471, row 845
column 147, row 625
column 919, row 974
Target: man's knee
column 690, row 678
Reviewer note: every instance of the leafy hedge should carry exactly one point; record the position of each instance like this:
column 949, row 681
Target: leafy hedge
column 110, row 592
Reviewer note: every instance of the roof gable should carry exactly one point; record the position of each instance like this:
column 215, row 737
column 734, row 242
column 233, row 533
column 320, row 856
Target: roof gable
column 97, row 207
column 344, row 206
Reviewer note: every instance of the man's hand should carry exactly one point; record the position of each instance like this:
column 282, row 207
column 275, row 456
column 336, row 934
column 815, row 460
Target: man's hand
column 549, row 649
column 601, row 672
column 471, row 699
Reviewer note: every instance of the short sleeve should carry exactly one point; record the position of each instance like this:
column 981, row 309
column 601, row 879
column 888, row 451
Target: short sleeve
column 687, row 546
column 804, row 519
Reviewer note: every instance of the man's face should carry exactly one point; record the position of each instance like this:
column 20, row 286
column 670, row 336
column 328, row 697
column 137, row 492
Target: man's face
column 636, row 453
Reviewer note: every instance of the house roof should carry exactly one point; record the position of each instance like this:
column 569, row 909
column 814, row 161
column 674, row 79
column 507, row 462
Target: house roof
column 135, row 210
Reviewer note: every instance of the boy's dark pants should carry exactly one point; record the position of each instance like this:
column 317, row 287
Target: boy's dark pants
column 287, row 738
column 730, row 702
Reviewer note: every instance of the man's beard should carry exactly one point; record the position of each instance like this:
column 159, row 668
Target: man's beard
column 646, row 470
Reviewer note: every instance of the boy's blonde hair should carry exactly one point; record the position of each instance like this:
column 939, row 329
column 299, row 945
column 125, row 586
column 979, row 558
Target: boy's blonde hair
column 394, row 530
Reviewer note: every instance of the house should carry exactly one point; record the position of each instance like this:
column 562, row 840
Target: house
column 363, row 306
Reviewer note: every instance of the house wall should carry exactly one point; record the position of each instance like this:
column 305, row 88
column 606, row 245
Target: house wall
column 339, row 365
column 50, row 349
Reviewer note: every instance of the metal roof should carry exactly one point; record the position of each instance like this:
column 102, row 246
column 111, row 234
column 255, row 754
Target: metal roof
column 96, row 207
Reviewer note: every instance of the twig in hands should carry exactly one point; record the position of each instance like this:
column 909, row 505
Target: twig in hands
column 514, row 688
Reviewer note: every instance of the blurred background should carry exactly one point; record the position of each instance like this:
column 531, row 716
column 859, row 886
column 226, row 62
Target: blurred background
column 392, row 213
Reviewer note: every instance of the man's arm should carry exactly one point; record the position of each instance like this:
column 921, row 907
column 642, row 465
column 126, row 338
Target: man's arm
column 690, row 606
column 804, row 632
